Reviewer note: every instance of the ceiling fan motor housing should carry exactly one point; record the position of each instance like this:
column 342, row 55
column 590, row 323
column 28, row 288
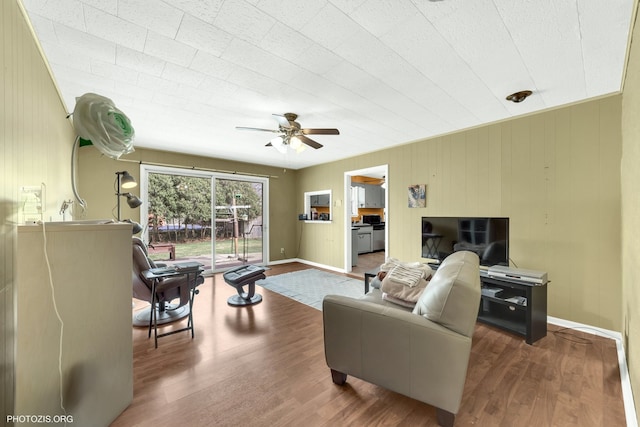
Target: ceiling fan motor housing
column 291, row 116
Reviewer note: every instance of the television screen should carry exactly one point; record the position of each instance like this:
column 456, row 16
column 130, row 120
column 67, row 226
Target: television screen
column 488, row 237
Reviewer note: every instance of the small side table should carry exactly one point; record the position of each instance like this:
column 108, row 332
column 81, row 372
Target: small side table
column 368, row 275
column 155, row 275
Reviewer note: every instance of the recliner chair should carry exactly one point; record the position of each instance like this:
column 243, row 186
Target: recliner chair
column 168, row 290
column 424, row 353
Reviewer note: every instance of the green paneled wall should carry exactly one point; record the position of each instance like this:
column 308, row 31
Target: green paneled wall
column 556, row 175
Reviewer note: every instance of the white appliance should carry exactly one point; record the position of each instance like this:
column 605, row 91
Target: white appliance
column 520, row 274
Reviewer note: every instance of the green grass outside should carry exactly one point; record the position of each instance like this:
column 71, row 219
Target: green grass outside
column 223, row 246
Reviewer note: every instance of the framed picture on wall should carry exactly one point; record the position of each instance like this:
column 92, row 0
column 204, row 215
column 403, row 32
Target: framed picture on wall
column 418, row 196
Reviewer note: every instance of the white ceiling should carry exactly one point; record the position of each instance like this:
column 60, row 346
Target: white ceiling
column 384, row 72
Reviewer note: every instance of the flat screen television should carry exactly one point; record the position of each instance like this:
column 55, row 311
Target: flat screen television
column 488, row 237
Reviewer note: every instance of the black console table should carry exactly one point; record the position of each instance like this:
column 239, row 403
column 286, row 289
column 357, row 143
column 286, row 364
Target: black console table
column 368, row 275
column 507, row 310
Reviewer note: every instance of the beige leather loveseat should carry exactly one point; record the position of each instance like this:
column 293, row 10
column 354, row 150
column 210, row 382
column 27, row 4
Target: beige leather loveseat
column 421, row 353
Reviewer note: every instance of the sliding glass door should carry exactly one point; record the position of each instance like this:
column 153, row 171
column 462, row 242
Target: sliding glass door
column 216, row 219
column 239, row 217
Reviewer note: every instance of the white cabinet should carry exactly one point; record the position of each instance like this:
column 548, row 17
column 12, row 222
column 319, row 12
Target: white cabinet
column 369, row 196
column 90, row 278
column 320, row 200
column 374, row 196
column 354, row 200
column 365, row 240
column 364, row 243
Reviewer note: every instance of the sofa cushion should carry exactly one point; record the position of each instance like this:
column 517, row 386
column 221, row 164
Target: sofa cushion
column 455, row 285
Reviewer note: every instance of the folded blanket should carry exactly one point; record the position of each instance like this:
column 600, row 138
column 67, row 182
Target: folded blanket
column 408, row 276
column 398, row 301
column 392, row 262
column 403, row 292
column 404, row 281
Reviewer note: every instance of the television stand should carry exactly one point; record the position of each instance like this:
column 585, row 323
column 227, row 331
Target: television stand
column 514, row 306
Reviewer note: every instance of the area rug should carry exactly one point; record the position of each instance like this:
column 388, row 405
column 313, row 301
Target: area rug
column 311, row 286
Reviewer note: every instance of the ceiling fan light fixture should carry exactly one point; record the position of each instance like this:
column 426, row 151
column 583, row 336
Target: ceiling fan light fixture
column 519, row 96
column 297, row 144
column 279, row 144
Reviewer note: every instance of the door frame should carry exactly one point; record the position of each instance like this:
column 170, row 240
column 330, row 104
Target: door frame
column 144, row 208
column 380, row 169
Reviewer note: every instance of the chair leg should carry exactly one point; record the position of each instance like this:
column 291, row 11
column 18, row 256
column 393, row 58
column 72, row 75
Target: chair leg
column 153, row 313
column 338, row 377
column 445, row 418
column 190, row 324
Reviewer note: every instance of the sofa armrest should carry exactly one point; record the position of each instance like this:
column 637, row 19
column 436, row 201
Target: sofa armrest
column 396, row 349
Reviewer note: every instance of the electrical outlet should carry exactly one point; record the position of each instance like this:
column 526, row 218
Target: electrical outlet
column 32, row 203
column 282, row 250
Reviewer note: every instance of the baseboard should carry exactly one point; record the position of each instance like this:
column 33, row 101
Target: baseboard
column 625, row 382
column 282, row 261
column 304, row 261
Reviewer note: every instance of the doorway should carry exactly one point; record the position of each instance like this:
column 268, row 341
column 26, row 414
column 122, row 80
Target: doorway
column 216, row 219
column 366, row 243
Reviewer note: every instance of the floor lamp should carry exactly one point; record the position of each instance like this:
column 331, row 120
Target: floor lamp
column 125, row 181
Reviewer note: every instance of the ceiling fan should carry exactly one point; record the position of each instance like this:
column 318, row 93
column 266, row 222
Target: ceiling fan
column 291, row 134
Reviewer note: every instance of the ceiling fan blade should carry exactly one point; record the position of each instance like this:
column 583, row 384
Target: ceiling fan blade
column 310, row 142
column 320, row 131
column 282, row 121
column 258, row 129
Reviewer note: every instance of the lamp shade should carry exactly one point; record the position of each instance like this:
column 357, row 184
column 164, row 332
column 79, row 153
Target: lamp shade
column 279, row 144
column 127, row 181
column 133, row 201
column 297, row 144
column 135, row 227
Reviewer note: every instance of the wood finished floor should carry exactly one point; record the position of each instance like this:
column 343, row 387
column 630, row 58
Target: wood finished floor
column 264, row 366
column 367, row 262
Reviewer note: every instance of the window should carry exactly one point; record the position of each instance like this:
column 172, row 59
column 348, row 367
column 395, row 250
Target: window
column 317, row 205
column 213, row 218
